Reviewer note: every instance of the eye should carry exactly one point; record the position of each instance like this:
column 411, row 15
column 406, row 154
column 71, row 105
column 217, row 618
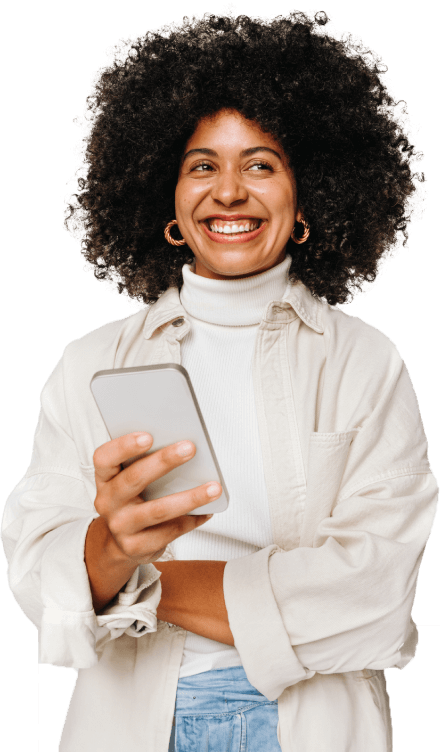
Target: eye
column 199, row 167
column 264, row 164
column 255, row 164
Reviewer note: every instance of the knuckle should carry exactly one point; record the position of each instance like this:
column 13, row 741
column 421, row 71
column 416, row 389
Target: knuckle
column 163, row 462
column 103, row 502
column 115, row 525
column 131, row 474
column 169, row 457
column 126, row 477
column 156, row 514
column 99, row 505
column 123, row 542
column 130, row 547
column 98, row 457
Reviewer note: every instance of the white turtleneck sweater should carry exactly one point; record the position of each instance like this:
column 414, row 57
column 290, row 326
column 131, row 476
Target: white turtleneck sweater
column 217, row 353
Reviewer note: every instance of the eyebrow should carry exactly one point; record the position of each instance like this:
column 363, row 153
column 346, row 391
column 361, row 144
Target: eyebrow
column 243, row 153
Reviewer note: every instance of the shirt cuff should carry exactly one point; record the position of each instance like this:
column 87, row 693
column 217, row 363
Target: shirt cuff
column 75, row 639
column 249, row 601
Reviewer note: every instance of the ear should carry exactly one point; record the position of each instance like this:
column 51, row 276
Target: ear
column 299, row 215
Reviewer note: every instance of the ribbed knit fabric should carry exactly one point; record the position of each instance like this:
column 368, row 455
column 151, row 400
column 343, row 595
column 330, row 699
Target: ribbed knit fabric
column 217, row 353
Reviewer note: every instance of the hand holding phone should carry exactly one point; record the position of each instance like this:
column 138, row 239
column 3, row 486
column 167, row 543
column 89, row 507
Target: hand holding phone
column 160, row 399
column 142, row 530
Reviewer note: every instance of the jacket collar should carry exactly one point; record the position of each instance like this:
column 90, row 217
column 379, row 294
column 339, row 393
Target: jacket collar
column 297, row 300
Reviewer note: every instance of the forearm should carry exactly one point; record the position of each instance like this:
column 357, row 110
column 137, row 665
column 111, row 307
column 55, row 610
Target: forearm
column 192, row 598
column 107, row 567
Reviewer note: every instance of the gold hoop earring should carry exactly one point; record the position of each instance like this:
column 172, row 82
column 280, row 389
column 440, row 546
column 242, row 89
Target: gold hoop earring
column 169, row 238
column 305, row 235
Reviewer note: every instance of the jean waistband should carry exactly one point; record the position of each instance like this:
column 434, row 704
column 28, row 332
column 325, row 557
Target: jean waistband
column 216, row 691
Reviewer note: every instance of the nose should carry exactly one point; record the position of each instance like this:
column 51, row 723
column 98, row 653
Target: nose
column 229, row 188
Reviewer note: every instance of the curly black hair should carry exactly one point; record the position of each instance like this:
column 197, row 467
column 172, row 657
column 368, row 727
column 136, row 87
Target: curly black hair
column 320, row 98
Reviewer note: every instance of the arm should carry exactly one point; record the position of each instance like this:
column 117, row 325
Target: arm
column 107, row 568
column 192, row 598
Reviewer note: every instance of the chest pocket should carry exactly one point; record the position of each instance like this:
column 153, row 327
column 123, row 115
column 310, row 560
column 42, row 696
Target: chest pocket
column 327, row 455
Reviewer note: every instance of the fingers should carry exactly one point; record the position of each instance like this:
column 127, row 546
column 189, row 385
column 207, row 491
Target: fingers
column 143, row 528
column 151, row 542
column 135, row 518
column 116, row 488
column 108, row 458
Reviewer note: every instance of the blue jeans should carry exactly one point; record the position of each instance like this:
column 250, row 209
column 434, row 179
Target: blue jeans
column 220, row 711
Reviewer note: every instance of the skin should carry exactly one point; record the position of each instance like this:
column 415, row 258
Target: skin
column 258, row 185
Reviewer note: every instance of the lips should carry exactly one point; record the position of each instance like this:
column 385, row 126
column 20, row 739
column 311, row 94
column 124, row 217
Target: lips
column 237, row 237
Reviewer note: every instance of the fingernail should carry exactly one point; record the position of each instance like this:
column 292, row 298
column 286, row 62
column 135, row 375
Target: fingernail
column 213, row 490
column 184, row 449
column 144, row 439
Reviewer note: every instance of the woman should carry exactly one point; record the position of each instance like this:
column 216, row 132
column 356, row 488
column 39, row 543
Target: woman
column 273, row 149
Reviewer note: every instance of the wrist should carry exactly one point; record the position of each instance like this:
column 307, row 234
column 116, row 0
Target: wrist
column 108, row 567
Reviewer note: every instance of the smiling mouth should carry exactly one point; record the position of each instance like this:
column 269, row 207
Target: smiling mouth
column 250, row 221
column 233, row 232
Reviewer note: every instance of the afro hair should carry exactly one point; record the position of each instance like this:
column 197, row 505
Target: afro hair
column 320, row 98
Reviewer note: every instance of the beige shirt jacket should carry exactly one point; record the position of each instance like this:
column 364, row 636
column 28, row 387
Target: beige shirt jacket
column 317, row 615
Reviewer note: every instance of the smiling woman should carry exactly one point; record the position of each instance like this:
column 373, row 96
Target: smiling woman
column 274, row 150
column 243, row 191
column 318, row 102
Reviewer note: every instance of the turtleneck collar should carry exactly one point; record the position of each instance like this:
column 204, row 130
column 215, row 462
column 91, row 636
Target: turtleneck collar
column 236, row 302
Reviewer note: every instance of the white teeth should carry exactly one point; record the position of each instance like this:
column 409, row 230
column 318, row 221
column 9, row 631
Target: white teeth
column 234, row 229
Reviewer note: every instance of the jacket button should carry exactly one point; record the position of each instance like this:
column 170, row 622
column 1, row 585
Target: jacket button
column 178, row 322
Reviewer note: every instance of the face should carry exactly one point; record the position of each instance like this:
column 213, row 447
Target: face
column 235, row 198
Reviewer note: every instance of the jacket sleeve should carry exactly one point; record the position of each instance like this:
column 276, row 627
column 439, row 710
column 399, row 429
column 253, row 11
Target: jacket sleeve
column 343, row 602
column 44, row 527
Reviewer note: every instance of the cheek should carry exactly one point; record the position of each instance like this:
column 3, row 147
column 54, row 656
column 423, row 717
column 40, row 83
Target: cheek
column 186, row 199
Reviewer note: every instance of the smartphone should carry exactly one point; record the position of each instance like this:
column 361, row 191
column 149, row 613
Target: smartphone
column 160, row 399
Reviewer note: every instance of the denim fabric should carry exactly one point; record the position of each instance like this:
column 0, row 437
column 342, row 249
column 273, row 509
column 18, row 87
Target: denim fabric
column 220, row 711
